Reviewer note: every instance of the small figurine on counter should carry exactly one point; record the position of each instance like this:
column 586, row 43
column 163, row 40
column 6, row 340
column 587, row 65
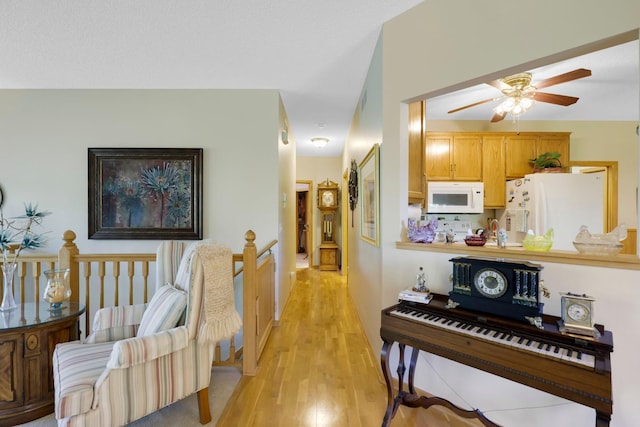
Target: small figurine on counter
column 502, row 238
column 421, row 282
column 450, row 236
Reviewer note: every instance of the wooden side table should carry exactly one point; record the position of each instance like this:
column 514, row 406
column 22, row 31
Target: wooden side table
column 28, row 336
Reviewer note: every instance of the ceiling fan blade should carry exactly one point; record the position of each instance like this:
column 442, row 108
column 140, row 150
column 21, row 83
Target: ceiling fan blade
column 471, row 105
column 552, row 98
column 563, row 78
column 497, row 117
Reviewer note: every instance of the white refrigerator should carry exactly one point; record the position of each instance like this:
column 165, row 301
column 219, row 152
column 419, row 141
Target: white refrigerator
column 562, row 201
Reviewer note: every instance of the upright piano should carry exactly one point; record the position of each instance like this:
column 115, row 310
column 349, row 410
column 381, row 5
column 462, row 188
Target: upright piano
column 574, row 367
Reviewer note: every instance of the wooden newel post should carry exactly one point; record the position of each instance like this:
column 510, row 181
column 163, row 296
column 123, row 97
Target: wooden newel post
column 249, row 298
column 66, row 259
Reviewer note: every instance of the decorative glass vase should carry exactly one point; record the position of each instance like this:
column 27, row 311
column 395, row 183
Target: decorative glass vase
column 57, row 290
column 8, row 303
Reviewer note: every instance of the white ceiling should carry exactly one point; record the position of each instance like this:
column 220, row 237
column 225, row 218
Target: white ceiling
column 316, row 53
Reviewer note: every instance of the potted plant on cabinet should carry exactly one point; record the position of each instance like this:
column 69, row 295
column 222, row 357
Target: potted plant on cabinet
column 547, row 162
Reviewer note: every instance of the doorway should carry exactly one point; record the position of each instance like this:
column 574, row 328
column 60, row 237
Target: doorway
column 304, row 219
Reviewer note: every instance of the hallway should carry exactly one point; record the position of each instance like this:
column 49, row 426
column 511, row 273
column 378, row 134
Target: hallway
column 317, row 369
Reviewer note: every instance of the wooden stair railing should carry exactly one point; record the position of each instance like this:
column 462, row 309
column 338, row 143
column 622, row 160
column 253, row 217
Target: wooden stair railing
column 258, row 300
column 99, row 280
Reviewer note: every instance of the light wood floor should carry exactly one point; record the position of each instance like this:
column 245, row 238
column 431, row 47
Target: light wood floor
column 317, row 369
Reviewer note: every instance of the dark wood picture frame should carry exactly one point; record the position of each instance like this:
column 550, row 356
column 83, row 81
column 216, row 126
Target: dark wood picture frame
column 145, row 193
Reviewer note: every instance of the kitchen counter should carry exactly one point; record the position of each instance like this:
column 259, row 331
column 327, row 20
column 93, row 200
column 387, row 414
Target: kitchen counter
column 621, row 261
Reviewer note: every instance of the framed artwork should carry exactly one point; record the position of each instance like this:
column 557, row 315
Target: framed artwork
column 370, row 196
column 145, row 193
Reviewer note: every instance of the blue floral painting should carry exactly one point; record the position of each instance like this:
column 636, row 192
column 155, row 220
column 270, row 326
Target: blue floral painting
column 145, row 193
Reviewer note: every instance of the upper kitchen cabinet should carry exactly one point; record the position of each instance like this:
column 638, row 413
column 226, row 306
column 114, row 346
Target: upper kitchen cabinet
column 453, row 157
column 554, row 142
column 520, row 148
column 417, row 180
column 493, row 170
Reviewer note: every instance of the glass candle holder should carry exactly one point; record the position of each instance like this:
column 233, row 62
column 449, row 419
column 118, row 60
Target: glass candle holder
column 57, row 290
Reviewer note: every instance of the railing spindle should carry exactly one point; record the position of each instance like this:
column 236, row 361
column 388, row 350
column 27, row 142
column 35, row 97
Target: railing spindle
column 131, row 272
column 101, row 274
column 116, row 279
column 86, row 267
column 22, row 272
column 37, row 271
column 145, row 275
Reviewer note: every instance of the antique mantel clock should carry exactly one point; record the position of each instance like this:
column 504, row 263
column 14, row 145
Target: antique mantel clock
column 504, row 288
column 328, row 205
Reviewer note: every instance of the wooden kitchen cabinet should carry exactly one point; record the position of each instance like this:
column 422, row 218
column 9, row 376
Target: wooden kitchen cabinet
column 529, row 145
column 453, row 157
column 417, row 180
column 491, row 157
column 493, row 171
column 554, row 142
column 519, row 149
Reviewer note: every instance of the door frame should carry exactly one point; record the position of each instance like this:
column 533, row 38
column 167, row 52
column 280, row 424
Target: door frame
column 310, row 219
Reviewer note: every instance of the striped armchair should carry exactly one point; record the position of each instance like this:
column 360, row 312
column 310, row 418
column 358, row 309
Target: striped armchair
column 141, row 358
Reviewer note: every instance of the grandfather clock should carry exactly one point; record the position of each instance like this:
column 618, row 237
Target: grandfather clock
column 328, row 205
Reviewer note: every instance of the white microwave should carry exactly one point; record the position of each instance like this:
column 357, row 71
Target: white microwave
column 455, row 197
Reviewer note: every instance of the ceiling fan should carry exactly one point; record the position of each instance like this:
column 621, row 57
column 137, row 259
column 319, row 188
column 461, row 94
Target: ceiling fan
column 518, row 94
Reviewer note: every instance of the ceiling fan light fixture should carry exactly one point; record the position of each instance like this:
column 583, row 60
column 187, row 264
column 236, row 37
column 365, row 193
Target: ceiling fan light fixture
column 320, row 142
column 516, row 105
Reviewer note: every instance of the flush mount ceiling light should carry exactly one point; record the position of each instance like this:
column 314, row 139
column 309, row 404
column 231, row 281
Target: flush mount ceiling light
column 320, row 142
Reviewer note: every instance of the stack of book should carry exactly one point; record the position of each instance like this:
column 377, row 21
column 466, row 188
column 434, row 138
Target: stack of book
column 414, row 296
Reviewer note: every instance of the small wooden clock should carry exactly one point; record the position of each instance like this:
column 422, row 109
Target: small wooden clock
column 577, row 315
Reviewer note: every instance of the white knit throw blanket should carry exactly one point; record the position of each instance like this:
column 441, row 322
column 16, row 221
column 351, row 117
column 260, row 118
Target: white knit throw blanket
column 221, row 318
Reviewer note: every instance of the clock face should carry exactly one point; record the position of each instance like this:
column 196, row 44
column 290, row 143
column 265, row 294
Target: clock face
column 490, row 283
column 578, row 312
column 328, row 198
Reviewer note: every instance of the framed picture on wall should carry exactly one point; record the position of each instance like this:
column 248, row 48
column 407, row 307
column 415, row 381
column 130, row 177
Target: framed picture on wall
column 145, row 193
column 369, row 178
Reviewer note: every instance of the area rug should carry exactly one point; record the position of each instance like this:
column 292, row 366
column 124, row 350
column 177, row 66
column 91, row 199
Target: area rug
column 185, row 412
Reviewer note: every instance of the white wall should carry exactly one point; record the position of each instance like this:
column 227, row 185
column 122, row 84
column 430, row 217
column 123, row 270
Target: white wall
column 365, row 260
column 427, row 51
column 287, row 242
column 44, row 136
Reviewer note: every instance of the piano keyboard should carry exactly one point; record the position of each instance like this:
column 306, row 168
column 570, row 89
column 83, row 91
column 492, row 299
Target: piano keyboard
column 508, row 339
